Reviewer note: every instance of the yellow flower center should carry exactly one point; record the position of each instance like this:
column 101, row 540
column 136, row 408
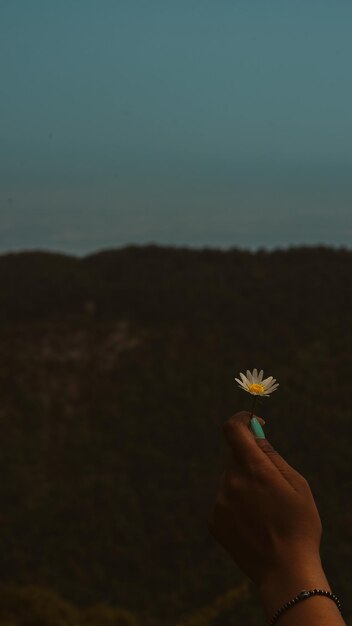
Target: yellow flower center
column 256, row 388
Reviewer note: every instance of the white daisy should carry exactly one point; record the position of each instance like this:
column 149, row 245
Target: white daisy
column 254, row 384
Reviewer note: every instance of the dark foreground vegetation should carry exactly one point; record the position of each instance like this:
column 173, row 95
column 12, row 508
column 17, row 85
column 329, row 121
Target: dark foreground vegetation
column 116, row 373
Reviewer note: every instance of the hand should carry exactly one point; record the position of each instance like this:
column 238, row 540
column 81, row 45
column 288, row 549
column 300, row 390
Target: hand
column 264, row 514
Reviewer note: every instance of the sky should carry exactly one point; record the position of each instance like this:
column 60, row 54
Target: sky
column 189, row 123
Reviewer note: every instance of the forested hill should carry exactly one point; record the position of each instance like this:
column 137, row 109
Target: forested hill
column 116, row 373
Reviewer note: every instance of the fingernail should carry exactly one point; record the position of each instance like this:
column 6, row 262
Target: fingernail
column 257, row 429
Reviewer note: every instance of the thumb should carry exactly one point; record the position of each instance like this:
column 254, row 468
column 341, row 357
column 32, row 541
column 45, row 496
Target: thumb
column 240, row 438
column 260, row 419
column 249, row 450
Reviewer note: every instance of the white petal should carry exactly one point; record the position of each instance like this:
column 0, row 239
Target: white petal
column 249, row 376
column 244, row 389
column 255, row 374
column 260, row 377
column 271, row 391
column 270, row 385
column 242, row 384
column 267, row 380
column 244, row 379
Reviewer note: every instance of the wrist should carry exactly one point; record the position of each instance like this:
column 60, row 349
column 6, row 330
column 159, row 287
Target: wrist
column 288, row 579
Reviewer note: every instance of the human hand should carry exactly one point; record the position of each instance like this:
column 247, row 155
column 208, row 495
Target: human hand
column 264, row 513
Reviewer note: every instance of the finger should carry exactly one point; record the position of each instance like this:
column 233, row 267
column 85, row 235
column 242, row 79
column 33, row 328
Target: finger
column 286, row 470
column 252, row 452
column 241, row 440
column 229, row 456
column 260, row 419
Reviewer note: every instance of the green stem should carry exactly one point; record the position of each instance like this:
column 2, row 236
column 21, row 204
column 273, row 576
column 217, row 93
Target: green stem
column 253, row 405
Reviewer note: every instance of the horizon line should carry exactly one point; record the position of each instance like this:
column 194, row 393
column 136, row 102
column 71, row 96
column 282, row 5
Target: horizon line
column 186, row 247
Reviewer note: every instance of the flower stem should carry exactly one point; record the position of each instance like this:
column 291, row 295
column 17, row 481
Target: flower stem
column 253, row 405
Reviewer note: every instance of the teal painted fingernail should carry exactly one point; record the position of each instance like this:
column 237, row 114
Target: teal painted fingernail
column 257, row 429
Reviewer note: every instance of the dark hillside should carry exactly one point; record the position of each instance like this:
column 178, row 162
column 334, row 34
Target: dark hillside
column 116, row 373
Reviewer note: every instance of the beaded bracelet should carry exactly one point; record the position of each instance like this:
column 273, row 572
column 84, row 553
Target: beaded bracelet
column 304, row 595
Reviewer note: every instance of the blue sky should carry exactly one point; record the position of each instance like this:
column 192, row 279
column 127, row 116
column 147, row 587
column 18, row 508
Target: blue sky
column 194, row 123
